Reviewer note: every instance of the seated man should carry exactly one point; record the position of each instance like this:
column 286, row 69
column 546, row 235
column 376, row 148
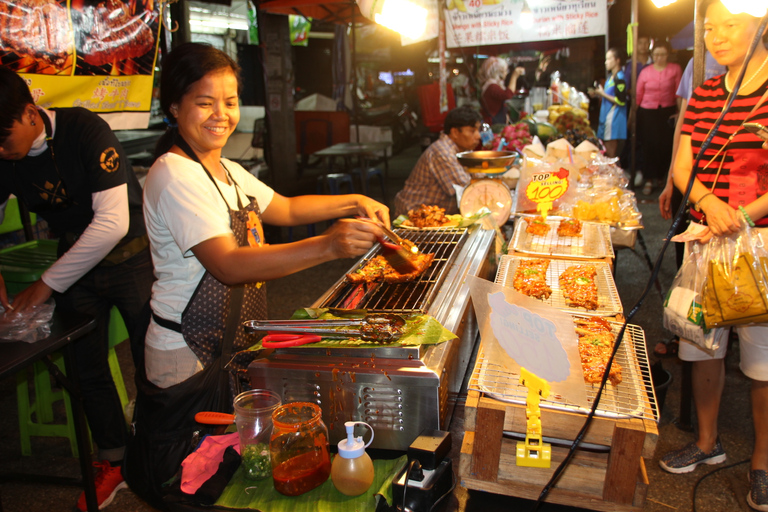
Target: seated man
column 432, row 179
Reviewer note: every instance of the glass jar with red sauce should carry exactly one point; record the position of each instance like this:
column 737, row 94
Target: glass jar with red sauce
column 299, row 448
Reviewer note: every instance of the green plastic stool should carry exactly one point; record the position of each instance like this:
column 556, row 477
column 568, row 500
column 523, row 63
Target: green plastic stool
column 36, row 412
column 21, row 265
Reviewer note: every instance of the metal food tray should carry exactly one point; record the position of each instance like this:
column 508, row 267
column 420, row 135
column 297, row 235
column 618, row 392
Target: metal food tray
column 594, row 242
column 608, row 300
column 633, row 397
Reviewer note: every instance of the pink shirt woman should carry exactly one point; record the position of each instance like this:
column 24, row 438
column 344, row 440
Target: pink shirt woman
column 657, row 107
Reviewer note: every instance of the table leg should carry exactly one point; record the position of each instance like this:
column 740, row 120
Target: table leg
column 72, row 384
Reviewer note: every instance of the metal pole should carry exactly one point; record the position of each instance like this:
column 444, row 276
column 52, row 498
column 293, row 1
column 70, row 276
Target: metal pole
column 354, row 77
column 633, row 106
column 699, row 50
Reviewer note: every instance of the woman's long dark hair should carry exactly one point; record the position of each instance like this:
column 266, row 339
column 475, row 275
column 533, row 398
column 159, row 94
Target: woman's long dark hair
column 181, row 68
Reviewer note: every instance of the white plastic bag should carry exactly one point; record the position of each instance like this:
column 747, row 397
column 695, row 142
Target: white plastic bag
column 682, row 307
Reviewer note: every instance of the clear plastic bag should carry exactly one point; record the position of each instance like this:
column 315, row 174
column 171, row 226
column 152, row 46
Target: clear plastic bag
column 29, row 326
column 682, row 307
column 736, row 289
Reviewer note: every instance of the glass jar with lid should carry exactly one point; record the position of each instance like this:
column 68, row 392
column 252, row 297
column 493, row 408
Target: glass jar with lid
column 299, row 448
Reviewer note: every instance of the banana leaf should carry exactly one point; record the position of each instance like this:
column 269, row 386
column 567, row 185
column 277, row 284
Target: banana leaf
column 242, row 493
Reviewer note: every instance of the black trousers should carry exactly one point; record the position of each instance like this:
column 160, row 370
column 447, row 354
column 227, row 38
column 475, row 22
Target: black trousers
column 656, row 131
column 127, row 286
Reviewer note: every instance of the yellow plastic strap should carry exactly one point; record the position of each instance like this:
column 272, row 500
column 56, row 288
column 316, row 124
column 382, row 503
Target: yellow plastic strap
column 630, row 40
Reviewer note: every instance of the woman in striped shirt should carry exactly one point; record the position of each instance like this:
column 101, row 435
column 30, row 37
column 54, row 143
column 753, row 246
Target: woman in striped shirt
column 737, row 177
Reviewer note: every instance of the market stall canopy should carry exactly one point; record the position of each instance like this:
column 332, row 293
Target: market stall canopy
column 339, row 11
column 683, row 40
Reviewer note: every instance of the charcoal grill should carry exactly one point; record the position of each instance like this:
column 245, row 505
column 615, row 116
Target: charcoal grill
column 399, row 391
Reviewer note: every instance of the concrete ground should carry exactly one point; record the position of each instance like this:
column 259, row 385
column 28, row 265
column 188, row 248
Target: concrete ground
column 724, row 491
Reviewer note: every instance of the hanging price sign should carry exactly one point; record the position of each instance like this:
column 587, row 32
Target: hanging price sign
column 545, row 188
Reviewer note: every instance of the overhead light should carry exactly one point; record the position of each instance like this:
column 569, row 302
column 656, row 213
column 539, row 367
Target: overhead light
column 402, row 16
column 526, row 16
column 755, row 8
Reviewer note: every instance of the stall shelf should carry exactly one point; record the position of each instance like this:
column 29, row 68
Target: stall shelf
column 607, row 471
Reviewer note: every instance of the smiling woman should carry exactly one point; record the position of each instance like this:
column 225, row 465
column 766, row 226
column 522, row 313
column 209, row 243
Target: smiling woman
column 204, row 217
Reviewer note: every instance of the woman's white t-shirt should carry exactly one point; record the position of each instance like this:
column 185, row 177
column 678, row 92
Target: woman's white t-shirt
column 183, row 208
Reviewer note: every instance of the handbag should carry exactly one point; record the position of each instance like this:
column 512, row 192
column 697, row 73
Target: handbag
column 683, row 314
column 736, row 286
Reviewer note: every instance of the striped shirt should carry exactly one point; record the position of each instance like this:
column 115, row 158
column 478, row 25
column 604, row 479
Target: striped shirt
column 431, row 180
column 744, row 174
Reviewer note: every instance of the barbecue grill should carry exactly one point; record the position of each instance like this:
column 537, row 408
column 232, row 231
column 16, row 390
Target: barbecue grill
column 399, row 391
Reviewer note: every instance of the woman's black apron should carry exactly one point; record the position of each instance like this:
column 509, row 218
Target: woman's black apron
column 164, row 431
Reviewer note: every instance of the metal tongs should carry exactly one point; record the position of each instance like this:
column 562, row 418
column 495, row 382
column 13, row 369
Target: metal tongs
column 379, row 327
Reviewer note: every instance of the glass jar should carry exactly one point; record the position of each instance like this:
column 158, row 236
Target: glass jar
column 253, row 416
column 299, row 448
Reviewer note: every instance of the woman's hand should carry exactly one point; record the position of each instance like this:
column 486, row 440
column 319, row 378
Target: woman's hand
column 665, row 201
column 721, row 218
column 367, row 207
column 350, row 238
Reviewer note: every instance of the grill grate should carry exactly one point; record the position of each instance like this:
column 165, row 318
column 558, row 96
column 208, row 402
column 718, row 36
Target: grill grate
column 608, row 300
column 633, row 397
column 595, row 241
column 416, row 295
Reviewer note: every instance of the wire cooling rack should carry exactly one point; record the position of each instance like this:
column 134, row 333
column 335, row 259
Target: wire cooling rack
column 608, row 300
column 594, row 242
column 632, row 397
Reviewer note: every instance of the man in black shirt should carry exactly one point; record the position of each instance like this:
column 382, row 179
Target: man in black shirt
column 67, row 166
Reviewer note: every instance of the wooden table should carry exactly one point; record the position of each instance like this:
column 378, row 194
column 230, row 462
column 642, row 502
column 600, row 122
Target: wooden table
column 17, row 355
column 363, row 151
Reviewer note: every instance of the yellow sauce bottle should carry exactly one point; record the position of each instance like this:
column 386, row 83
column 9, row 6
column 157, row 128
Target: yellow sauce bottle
column 352, row 469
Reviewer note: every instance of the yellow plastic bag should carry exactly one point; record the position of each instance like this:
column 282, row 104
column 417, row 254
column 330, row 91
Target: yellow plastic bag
column 736, row 291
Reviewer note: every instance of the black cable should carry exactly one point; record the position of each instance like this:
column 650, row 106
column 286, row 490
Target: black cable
column 448, row 493
column 657, row 266
column 693, row 497
column 405, row 483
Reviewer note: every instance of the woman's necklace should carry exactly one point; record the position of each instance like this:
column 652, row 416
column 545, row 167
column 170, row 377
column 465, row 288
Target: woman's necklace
column 728, row 74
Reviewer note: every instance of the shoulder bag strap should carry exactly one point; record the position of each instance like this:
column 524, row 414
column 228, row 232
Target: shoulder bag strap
column 233, row 320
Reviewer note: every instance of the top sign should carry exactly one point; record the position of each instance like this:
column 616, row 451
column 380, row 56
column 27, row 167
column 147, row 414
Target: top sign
column 484, row 22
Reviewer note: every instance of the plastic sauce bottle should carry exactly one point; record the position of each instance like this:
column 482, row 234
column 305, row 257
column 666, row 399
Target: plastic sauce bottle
column 352, row 469
column 486, row 136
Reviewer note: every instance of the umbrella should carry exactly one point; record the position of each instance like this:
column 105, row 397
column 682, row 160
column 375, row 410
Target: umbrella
column 683, row 40
column 333, row 11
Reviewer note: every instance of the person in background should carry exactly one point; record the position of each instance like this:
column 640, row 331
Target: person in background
column 494, row 93
column 66, row 165
column 432, row 180
column 723, row 186
column 612, row 129
column 670, row 198
column 515, row 80
column 542, row 74
column 205, row 218
column 642, row 56
column 656, row 110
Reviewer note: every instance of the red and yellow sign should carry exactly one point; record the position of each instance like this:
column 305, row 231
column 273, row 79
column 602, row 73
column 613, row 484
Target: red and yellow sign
column 546, row 187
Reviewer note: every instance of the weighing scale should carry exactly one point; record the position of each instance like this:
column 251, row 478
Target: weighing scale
column 488, row 191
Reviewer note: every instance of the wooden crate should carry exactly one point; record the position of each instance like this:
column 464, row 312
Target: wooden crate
column 613, row 481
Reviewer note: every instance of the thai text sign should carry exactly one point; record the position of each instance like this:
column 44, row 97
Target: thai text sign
column 483, row 22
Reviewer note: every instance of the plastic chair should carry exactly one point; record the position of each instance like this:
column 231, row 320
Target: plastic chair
column 335, row 180
column 372, row 172
column 12, row 219
column 21, row 265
